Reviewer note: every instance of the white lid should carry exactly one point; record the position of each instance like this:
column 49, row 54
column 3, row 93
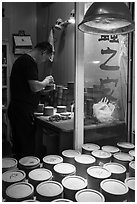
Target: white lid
column 132, row 153
column 90, row 146
column 132, row 164
column 111, row 149
column 101, row 154
column 40, row 174
column 61, row 200
column 70, row 153
column 61, row 107
column 49, row 188
column 52, row 159
column 49, row 107
column 64, row 168
column 29, row 161
column 65, row 114
column 8, row 162
column 74, row 182
column 125, row 145
column 89, row 195
column 41, row 104
column 19, row 190
column 115, row 167
column 13, row 176
column 85, row 159
column 123, row 156
column 130, row 182
column 98, row 172
column 114, row 186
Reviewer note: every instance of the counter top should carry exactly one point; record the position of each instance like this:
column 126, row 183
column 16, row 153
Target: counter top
column 63, row 125
column 68, row 125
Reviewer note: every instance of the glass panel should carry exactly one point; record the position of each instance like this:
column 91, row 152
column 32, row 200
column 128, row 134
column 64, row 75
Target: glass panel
column 105, row 78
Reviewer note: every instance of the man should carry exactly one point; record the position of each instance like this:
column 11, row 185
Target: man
column 24, row 93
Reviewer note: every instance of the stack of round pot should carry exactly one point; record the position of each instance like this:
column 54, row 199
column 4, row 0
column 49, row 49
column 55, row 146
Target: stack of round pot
column 98, row 174
column 50, row 161
column 11, row 177
column 62, row 170
column 69, row 155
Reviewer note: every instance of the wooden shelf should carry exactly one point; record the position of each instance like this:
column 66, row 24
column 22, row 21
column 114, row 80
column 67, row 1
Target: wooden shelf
column 5, row 88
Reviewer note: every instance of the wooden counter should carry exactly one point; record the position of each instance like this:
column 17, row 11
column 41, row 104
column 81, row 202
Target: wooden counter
column 58, row 136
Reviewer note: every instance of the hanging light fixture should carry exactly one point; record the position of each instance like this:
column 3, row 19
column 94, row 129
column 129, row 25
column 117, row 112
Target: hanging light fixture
column 72, row 17
column 107, row 18
column 60, row 23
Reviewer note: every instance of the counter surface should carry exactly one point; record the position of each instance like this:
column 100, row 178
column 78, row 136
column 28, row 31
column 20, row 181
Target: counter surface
column 68, row 125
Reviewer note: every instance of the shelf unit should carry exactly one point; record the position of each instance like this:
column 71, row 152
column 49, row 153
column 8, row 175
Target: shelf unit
column 5, row 91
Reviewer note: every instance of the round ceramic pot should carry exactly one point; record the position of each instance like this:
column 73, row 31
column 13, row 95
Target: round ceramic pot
column 20, row 191
column 72, row 184
column 114, row 190
column 48, row 191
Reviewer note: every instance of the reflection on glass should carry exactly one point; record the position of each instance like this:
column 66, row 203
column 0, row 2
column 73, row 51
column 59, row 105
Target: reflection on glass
column 105, row 78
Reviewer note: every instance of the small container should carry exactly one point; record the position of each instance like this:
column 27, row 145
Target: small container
column 62, row 170
column 29, row 163
column 118, row 171
column 122, row 158
column 89, row 195
column 8, row 164
column 61, row 109
column 39, row 175
column 48, row 110
column 11, row 177
column 48, row 191
column 72, row 184
column 40, row 108
column 96, row 174
column 70, row 85
column 50, row 160
column 62, row 200
column 20, row 191
column 89, row 147
column 82, row 163
column 130, row 183
column 132, row 153
column 125, row 146
column 132, row 169
column 114, row 190
column 69, row 155
column 102, row 157
column 111, row 149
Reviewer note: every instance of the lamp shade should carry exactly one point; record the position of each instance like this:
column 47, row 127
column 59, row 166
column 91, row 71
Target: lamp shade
column 107, row 18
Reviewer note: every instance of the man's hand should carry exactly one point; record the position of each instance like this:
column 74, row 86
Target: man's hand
column 48, row 80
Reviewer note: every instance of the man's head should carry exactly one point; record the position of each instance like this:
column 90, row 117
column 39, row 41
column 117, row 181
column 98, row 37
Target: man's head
column 44, row 50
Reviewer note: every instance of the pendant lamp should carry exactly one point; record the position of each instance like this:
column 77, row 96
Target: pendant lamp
column 107, row 18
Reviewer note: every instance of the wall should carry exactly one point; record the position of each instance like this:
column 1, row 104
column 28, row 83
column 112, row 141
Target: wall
column 21, row 16
column 63, row 65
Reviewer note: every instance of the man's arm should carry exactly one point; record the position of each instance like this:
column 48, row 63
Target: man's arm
column 36, row 85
